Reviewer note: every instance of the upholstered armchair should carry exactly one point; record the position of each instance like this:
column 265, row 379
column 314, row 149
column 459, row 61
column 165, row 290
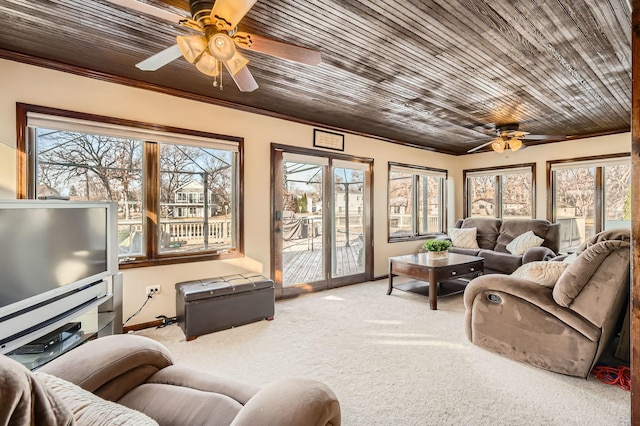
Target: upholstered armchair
column 129, row 379
column 564, row 327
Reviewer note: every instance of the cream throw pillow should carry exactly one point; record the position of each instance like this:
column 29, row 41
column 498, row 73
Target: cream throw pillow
column 524, row 242
column 541, row 272
column 89, row 409
column 464, row 237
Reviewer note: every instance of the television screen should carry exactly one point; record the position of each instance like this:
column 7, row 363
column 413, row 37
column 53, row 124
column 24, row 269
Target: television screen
column 42, row 249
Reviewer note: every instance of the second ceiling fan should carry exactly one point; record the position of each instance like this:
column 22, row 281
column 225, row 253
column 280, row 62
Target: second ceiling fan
column 507, row 136
column 216, row 44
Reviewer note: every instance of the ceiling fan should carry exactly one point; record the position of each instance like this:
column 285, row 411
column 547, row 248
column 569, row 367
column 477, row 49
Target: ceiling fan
column 508, row 136
column 216, row 22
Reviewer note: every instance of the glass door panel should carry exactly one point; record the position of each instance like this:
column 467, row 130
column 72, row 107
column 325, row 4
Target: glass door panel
column 301, row 224
column 348, row 252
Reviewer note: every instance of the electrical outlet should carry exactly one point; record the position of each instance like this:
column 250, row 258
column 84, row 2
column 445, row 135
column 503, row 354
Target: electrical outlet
column 152, row 290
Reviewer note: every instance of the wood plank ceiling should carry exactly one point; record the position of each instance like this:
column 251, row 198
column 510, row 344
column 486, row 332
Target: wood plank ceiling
column 434, row 74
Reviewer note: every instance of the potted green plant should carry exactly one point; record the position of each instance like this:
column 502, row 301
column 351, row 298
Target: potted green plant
column 437, row 249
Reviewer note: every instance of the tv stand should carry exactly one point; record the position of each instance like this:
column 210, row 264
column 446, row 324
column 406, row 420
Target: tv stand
column 104, row 319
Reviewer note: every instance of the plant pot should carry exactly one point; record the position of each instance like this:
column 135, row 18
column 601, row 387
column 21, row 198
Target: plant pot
column 437, row 255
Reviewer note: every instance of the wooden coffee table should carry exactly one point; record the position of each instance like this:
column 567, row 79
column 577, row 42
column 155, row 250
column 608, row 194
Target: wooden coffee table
column 445, row 273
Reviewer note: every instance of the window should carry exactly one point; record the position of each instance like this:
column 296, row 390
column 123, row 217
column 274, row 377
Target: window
column 589, row 196
column 416, row 201
column 191, row 184
column 506, row 193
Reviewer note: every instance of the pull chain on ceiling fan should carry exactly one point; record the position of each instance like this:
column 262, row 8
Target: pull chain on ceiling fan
column 217, row 43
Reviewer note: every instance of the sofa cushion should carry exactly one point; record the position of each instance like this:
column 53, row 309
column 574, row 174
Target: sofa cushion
column 488, row 230
column 510, row 229
column 523, row 242
column 89, row 409
column 464, row 237
column 541, row 272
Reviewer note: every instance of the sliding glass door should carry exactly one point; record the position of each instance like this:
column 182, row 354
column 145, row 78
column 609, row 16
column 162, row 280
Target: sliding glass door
column 321, row 221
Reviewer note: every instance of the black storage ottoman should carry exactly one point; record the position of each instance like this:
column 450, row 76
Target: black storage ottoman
column 213, row 304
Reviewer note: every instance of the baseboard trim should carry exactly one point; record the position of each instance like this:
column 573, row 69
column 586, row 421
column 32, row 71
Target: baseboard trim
column 141, row 326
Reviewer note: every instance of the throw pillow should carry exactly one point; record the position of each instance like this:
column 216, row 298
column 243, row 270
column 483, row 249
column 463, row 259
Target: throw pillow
column 524, row 242
column 89, row 409
column 464, row 237
column 571, row 258
column 541, row 272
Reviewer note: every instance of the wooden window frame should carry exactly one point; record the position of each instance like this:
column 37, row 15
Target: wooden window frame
column 25, row 181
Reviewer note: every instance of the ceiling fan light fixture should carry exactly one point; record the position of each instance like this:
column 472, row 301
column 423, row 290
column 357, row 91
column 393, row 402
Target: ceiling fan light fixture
column 515, row 144
column 222, row 47
column 192, row 46
column 208, row 65
column 236, row 63
column 498, row 145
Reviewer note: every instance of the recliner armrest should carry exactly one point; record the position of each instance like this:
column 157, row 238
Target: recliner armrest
column 291, row 402
column 531, row 293
column 128, row 358
column 500, row 261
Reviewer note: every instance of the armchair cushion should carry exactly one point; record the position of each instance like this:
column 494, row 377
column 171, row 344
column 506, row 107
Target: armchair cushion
column 464, row 237
column 523, row 242
column 541, row 272
column 91, row 410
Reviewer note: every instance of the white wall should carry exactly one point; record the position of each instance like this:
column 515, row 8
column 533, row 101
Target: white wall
column 613, row 144
column 39, row 86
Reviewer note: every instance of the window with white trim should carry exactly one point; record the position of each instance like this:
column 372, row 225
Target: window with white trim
column 589, row 196
column 416, row 201
column 506, row 192
column 177, row 193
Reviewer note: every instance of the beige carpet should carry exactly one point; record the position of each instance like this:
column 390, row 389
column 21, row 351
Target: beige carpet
column 392, row 361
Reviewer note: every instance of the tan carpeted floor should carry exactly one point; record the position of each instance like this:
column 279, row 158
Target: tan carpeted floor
column 392, row 361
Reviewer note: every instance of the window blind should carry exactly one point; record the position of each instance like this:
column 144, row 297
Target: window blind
column 418, row 171
column 614, row 161
column 499, row 172
column 44, row 121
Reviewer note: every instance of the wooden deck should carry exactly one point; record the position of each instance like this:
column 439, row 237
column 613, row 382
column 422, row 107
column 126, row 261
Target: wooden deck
column 302, row 264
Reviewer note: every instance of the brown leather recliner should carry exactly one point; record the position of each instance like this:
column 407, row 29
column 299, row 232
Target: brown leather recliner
column 565, row 328
column 138, row 373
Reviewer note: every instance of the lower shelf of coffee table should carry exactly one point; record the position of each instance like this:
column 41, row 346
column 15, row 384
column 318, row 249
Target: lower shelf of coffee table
column 447, row 288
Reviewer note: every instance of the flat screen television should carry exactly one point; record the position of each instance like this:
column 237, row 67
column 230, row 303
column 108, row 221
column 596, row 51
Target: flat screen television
column 55, row 260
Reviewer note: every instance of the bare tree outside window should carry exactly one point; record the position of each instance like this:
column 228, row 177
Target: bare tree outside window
column 80, row 166
column 617, row 187
column 196, row 199
column 517, row 196
column 482, row 196
column 400, row 204
column 429, row 205
column 575, row 192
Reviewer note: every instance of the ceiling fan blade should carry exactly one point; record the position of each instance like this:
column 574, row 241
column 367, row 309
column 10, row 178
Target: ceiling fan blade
column 243, row 78
column 480, row 146
column 278, row 49
column 160, row 59
column 149, row 10
column 227, row 13
column 543, row 137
